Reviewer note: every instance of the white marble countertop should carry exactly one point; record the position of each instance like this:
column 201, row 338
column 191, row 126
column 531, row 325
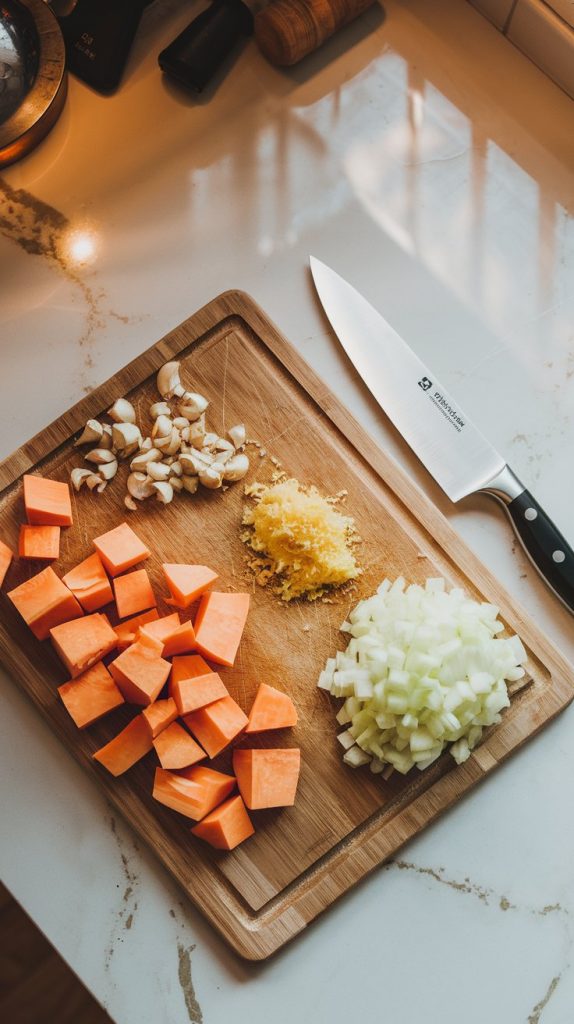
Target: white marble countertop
column 433, row 166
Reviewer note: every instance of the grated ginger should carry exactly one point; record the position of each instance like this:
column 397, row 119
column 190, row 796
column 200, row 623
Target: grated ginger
column 304, row 544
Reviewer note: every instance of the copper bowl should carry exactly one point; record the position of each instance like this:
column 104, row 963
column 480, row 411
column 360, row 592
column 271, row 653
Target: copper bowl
column 33, row 79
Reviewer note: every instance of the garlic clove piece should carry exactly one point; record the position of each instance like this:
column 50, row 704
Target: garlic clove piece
column 122, row 411
column 100, row 456
column 108, row 470
column 142, row 459
column 159, row 409
column 221, row 445
column 95, row 483
column 209, row 441
column 190, row 483
column 236, row 467
column 196, row 431
column 192, row 405
column 237, row 435
column 139, row 486
column 79, row 476
column 164, row 491
column 168, row 382
column 92, row 431
column 162, row 426
column 106, row 438
column 176, row 483
column 158, row 471
column 169, row 445
column 126, row 438
column 211, row 477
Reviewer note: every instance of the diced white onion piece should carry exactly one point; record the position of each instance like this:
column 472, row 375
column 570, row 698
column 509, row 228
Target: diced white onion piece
column 355, row 757
column 423, row 667
column 345, row 739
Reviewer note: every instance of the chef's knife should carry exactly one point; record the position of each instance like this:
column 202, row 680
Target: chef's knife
column 457, row 455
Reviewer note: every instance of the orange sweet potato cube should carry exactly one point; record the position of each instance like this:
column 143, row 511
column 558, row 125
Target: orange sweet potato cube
column 197, row 692
column 159, row 715
column 120, row 549
column 127, row 632
column 91, row 695
column 39, row 542
column 160, row 628
column 179, row 640
column 47, row 502
column 267, row 778
column 6, row 557
column 129, row 746
column 83, row 642
column 176, row 748
column 133, row 593
column 89, row 582
column 194, row 791
column 216, row 725
column 219, row 624
column 140, row 671
column 227, row 826
column 44, row 602
column 187, row 666
column 187, row 582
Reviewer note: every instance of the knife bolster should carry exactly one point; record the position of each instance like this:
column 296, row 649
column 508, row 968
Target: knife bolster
column 505, row 486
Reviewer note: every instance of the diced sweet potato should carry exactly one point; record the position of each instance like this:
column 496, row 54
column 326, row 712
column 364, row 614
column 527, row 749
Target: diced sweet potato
column 180, row 640
column 44, row 602
column 140, row 671
column 187, row 582
column 91, row 695
column 120, row 549
column 216, row 786
column 128, row 632
column 194, row 792
column 39, row 542
column 159, row 715
column 227, row 826
column 89, row 583
column 47, row 502
column 271, row 710
column 133, row 593
column 219, row 624
column 267, row 778
column 198, row 691
column 176, row 748
column 82, row 642
column 160, row 628
column 129, row 746
column 187, row 666
column 216, row 725
column 6, row 557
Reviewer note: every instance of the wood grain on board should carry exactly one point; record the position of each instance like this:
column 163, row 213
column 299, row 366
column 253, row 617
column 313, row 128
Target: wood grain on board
column 345, row 822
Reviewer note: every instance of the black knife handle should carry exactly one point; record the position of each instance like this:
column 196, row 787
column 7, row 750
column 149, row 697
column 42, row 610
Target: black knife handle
column 198, row 52
column 545, row 545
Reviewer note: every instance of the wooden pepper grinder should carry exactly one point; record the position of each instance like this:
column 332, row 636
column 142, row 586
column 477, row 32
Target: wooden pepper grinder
column 288, row 30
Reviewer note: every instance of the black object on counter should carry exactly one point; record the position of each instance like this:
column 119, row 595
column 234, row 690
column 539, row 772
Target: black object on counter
column 98, row 36
column 198, row 52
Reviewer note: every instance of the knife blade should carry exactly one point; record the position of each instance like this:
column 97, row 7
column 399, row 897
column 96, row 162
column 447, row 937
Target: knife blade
column 453, row 450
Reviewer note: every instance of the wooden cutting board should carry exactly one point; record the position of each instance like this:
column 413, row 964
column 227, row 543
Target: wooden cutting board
column 345, row 822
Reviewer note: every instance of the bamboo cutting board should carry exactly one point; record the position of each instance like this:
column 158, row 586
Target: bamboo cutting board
column 345, row 822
